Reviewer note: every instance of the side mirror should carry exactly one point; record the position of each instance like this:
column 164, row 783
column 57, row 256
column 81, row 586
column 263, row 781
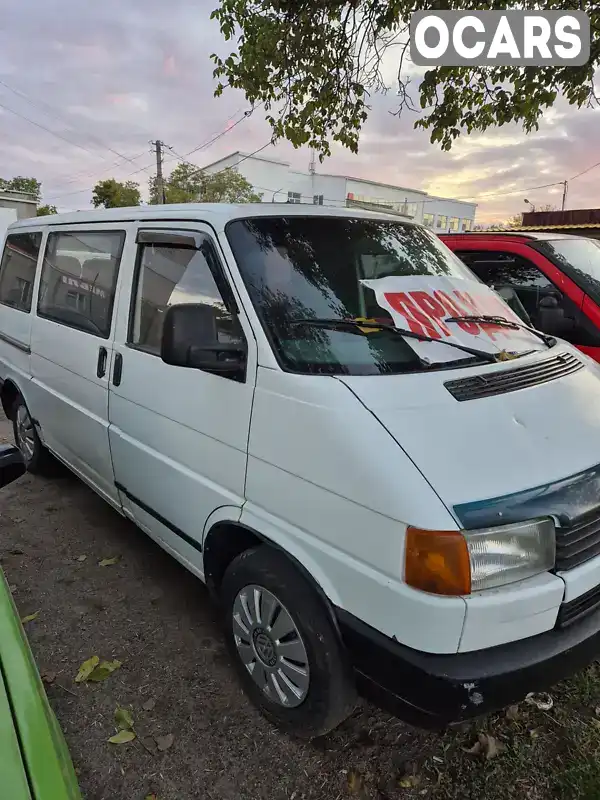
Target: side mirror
column 12, row 464
column 193, row 337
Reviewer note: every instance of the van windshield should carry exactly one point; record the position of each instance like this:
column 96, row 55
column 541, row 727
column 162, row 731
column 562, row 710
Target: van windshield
column 578, row 258
column 313, row 268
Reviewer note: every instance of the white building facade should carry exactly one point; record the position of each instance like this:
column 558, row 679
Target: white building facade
column 278, row 183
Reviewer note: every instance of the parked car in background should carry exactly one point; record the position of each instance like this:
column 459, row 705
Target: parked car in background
column 34, row 760
column 556, row 278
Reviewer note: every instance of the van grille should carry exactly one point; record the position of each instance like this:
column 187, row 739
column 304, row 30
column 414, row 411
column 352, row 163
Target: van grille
column 578, row 608
column 511, row 380
column 578, row 543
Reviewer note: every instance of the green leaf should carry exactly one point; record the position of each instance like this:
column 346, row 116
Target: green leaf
column 122, row 737
column 109, row 562
column 123, row 719
column 86, row 669
column 81, row 558
column 103, row 670
column 29, row 618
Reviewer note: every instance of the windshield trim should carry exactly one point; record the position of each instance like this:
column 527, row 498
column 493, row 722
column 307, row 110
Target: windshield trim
column 277, row 352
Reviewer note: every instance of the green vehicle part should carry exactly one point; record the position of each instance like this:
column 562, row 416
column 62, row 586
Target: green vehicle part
column 34, row 760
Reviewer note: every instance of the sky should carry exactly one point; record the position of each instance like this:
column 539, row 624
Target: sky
column 85, row 87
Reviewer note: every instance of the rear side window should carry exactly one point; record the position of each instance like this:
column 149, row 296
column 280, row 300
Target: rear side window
column 79, row 277
column 17, row 271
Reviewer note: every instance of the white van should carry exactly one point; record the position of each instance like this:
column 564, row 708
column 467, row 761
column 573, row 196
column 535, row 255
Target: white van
column 390, row 484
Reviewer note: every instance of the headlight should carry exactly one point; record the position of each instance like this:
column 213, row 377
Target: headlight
column 461, row 562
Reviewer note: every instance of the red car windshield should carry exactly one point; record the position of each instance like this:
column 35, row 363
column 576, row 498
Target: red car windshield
column 578, row 258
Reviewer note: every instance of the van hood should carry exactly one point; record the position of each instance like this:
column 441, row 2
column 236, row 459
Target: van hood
column 494, row 446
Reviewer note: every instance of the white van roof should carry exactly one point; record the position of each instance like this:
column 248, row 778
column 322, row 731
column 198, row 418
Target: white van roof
column 218, row 214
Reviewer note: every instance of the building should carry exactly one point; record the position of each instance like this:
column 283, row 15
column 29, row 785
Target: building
column 279, row 183
column 579, row 221
column 24, row 205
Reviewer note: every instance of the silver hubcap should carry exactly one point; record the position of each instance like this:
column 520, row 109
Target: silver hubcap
column 25, row 434
column 270, row 646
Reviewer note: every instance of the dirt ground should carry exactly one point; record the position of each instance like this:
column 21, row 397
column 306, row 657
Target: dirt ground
column 154, row 617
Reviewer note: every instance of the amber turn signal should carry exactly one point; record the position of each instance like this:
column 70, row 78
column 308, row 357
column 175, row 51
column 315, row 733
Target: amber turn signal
column 437, row 562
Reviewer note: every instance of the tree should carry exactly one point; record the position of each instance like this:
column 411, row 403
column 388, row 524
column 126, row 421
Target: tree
column 320, row 63
column 44, row 211
column 115, row 194
column 516, row 221
column 20, row 184
column 189, row 184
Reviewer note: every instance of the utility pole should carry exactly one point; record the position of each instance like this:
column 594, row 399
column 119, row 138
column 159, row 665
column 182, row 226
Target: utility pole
column 564, row 197
column 160, row 184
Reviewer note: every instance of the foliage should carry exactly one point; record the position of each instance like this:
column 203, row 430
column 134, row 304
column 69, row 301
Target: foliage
column 44, row 211
column 517, row 219
column 21, row 184
column 321, row 63
column 189, row 184
column 115, row 194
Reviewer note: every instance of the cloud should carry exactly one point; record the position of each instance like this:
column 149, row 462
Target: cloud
column 105, row 79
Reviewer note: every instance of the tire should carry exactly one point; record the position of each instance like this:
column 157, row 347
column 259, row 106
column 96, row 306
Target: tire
column 320, row 690
column 37, row 459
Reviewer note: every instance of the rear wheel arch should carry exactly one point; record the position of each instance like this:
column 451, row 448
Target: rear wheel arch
column 227, row 540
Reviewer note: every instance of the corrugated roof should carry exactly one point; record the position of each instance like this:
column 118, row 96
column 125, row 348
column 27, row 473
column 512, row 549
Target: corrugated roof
column 580, row 226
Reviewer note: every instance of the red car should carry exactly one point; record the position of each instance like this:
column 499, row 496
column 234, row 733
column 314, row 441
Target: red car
column 551, row 280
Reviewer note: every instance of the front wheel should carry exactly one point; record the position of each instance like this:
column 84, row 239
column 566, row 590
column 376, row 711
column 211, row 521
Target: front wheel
column 284, row 645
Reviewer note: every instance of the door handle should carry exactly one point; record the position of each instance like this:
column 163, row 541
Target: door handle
column 101, row 365
column 117, row 369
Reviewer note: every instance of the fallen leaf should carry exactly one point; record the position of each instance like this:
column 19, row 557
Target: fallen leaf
column 86, row 669
column 164, row 742
column 81, row 558
column 540, row 700
column 512, row 712
column 12, row 588
column 534, row 733
column 103, row 670
column 487, row 746
column 151, row 797
column 149, row 705
column 29, row 618
column 49, row 677
column 122, row 737
column 409, row 781
column 109, row 562
column 17, row 552
column 123, row 719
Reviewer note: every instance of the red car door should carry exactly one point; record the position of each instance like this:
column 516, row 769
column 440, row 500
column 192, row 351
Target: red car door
column 508, row 261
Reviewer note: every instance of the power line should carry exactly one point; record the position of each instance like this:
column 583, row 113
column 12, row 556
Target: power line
column 48, row 130
column 62, row 118
column 583, row 172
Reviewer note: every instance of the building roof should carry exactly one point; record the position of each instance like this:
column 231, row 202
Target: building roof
column 518, row 233
column 257, row 156
column 215, row 214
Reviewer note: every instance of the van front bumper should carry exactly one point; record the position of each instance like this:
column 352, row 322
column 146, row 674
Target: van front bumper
column 433, row 691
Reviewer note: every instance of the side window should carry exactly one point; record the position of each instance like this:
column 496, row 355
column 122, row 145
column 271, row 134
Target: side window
column 532, row 295
column 17, row 271
column 79, row 278
column 172, row 276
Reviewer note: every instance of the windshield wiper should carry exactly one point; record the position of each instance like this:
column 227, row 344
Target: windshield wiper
column 549, row 341
column 337, row 324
